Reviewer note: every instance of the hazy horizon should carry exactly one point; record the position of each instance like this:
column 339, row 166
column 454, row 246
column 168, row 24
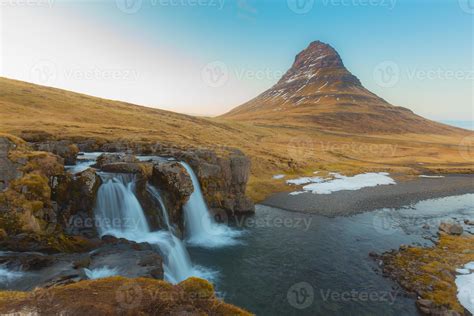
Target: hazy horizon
column 161, row 53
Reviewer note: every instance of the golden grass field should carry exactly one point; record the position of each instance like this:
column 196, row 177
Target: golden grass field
column 274, row 149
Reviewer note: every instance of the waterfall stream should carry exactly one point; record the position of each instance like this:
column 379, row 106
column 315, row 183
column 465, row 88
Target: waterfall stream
column 119, row 213
column 201, row 228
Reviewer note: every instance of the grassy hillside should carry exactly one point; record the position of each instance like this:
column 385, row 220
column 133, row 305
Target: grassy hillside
column 274, row 149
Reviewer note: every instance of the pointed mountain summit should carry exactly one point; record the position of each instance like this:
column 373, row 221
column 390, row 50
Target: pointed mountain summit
column 318, row 91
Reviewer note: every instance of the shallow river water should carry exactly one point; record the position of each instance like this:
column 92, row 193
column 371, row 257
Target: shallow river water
column 300, row 264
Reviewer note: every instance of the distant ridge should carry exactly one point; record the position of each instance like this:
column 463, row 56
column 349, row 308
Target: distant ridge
column 319, row 91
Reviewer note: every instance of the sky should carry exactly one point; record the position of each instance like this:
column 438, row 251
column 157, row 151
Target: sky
column 205, row 57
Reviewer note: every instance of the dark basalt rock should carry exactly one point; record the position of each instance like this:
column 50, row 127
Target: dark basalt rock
column 223, row 179
column 8, row 169
column 108, row 158
column 176, row 187
column 63, row 148
column 122, row 167
column 451, row 229
column 128, row 258
column 76, row 198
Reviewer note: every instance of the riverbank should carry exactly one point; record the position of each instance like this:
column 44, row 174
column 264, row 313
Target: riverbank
column 345, row 203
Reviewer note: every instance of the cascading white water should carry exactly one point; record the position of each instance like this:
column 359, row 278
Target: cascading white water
column 119, row 213
column 156, row 194
column 201, row 228
column 179, row 264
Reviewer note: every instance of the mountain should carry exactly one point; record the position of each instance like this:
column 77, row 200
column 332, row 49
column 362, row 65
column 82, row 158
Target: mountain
column 319, row 91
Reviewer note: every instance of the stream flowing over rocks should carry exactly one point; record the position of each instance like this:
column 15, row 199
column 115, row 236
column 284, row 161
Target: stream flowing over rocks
column 73, row 211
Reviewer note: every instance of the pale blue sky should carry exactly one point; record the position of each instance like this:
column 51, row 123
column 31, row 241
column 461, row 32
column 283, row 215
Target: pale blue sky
column 155, row 52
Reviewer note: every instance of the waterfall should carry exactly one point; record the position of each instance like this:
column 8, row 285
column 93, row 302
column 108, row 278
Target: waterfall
column 201, row 228
column 119, row 213
column 164, row 212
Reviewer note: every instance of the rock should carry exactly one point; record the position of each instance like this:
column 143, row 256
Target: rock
column 107, row 158
column 131, row 259
column 240, row 166
column 82, row 263
column 451, row 229
column 76, row 200
column 469, row 222
column 8, row 169
column 27, row 261
column 425, row 306
column 176, row 186
column 157, row 274
column 122, row 167
column 223, row 179
column 63, row 148
column 173, row 177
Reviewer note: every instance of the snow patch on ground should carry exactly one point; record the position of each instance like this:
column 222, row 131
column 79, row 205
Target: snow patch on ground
column 305, row 180
column 465, row 284
column 278, row 176
column 434, row 177
column 318, row 185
